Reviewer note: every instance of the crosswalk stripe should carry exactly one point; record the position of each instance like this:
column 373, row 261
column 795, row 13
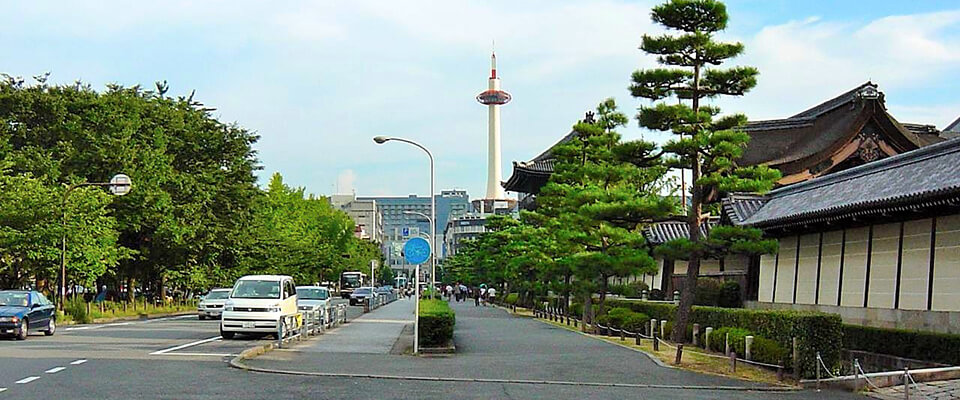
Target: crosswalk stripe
column 27, row 379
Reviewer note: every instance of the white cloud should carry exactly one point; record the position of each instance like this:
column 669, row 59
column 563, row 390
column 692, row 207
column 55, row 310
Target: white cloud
column 805, row 62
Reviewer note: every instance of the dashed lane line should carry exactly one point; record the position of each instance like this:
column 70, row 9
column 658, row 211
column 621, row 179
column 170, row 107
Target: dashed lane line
column 54, row 370
column 3, row 390
column 27, row 380
column 183, row 346
column 78, row 362
column 197, row 354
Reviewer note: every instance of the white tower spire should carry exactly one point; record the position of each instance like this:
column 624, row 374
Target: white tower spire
column 493, row 98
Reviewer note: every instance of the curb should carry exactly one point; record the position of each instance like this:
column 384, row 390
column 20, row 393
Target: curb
column 237, row 363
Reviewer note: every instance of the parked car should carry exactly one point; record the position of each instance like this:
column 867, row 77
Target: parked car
column 313, row 298
column 211, row 305
column 384, row 289
column 361, row 293
column 258, row 304
column 22, row 311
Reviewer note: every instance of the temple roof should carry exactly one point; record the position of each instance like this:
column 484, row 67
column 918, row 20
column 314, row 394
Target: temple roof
column 802, row 145
column 664, row 231
column 922, row 180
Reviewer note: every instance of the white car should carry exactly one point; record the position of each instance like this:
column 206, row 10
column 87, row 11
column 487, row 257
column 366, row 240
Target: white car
column 212, row 304
column 258, row 305
column 313, row 298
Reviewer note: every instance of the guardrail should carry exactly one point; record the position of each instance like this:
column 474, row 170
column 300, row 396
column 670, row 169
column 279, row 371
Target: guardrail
column 378, row 301
column 308, row 323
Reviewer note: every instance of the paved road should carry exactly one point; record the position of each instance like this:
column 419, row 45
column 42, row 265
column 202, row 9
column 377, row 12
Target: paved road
column 137, row 359
column 491, row 344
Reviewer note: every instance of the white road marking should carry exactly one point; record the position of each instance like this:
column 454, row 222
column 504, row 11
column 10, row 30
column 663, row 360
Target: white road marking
column 78, row 362
column 198, row 354
column 183, row 346
column 86, row 327
column 119, row 324
column 27, row 379
column 78, row 328
column 55, row 370
column 3, row 390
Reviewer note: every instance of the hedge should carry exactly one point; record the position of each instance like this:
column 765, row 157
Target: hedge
column 436, row 322
column 763, row 349
column 927, row 346
column 815, row 332
column 511, row 298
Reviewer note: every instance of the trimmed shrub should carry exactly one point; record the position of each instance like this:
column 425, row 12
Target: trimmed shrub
column 436, row 322
column 616, row 316
column 708, row 292
column 927, row 346
column 730, row 295
column 636, row 322
column 512, row 298
column 815, row 332
column 768, row 351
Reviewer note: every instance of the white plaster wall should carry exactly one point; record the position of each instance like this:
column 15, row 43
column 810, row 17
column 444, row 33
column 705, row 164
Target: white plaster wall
column 854, row 267
column 915, row 270
column 807, row 268
column 830, row 267
column 765, row 291
column 883, row 265
column 946, row 268
column 786, row 270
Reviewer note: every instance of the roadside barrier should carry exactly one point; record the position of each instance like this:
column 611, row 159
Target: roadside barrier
column 378, row 301
column 310, row 323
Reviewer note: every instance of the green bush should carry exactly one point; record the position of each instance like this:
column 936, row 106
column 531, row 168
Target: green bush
column 763, row 349
column 436, row 322
column 768, row 351
column 708, row 292
column 512, row 298
column 76, row 309
column 927, row 346
column 815, row 332
column 616, row 316
column 730, row 295
column 636, row 322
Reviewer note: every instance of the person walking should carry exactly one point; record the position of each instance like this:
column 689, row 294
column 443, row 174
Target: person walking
column 476, row 297
column 491, row 295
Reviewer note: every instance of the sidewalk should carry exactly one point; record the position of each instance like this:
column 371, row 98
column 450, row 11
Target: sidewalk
column 372, row 333
column 491, row 344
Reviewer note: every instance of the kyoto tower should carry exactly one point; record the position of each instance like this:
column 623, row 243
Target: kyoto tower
column 493, row 98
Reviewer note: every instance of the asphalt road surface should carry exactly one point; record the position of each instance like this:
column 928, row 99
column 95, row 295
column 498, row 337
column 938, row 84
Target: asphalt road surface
column 184, row 358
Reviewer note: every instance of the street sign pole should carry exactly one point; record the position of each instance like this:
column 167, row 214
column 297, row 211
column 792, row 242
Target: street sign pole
column 416, row 314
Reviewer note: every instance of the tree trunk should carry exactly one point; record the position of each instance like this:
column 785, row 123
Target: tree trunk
column 587, row 312
column 566, row 294
column 130, row 289
column 693, row 225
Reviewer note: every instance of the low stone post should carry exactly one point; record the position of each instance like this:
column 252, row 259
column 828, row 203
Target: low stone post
column 726, row 344
column 676, row 296
column 653, row 326
column 644, row 295
column 663, row 328
column 696, row 334
column 706, row 338
column 748, row 344
column 733, row 362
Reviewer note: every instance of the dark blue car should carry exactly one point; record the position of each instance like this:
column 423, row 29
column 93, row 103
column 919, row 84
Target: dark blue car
column 22, row 311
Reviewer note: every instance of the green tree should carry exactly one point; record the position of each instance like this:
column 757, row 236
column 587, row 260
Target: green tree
column 595, row 203
column 708, row 145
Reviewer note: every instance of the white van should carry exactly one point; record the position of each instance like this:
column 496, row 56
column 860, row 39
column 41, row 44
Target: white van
column 257, row 304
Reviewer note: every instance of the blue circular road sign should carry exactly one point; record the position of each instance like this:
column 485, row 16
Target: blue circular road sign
column 416, row 250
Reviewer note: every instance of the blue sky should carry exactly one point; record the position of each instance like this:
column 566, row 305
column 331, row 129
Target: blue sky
column 317, row 80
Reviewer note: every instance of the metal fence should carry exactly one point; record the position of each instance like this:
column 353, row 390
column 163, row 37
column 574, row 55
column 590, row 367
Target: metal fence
column 308, row 323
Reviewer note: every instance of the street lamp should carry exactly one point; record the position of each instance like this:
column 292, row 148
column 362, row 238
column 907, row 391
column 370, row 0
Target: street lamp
column 433, row 204
column 119, row 185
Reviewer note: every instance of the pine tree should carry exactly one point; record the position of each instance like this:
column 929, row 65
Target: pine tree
column 708, row 145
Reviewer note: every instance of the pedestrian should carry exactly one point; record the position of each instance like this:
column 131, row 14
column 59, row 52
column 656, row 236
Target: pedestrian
column 448, row 290
column 463, row 292
column 491, row 295
column 476, row 297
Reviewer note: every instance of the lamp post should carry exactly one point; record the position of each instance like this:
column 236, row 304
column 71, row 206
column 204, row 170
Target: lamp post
column 433, row 205
column 119, row 185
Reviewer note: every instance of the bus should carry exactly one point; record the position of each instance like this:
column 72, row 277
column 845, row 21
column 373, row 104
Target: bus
column 351, row 280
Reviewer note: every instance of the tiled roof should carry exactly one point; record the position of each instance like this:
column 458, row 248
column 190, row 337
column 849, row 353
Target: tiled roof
column 954, row 127
column 664, row 231
column 927, row 177
column 737, row 207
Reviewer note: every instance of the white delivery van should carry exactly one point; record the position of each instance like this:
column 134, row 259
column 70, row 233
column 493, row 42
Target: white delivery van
column 258, row 304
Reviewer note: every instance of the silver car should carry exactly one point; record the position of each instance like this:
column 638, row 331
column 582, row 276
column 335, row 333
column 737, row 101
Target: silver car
column 313, row 298
column 212, row 304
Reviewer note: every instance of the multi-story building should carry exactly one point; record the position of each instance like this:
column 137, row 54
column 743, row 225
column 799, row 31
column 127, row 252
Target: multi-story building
column 398, row 226
column 465, row 227
column 366, row 214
